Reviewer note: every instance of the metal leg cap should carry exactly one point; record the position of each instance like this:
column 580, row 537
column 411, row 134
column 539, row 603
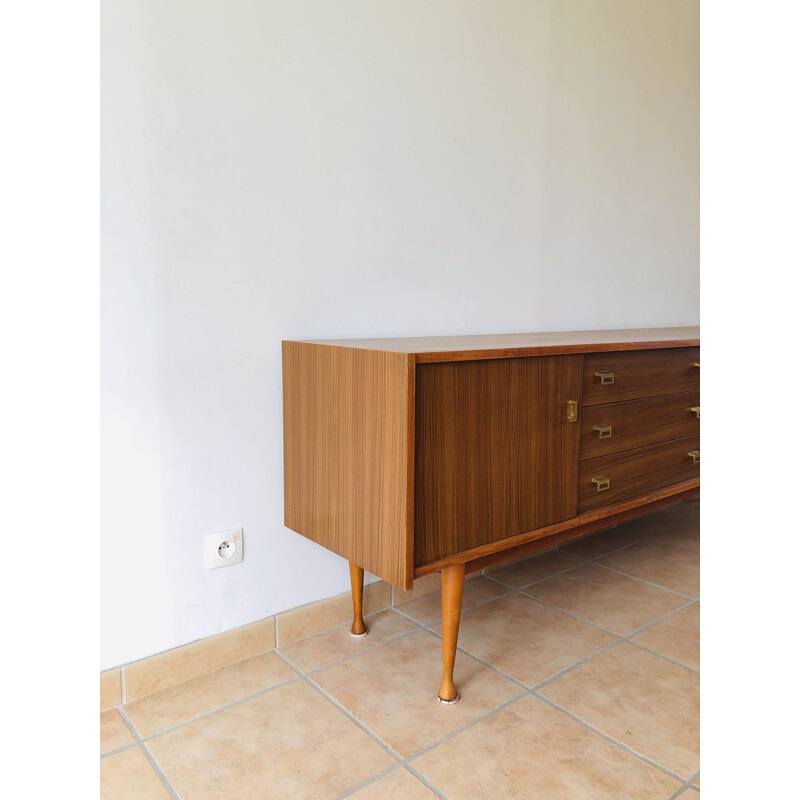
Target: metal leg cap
column 449, row 702
column 359, row 635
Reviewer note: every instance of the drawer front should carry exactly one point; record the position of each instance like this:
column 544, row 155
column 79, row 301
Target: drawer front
column 613, row 427
column 610, row 377
column 636, row 472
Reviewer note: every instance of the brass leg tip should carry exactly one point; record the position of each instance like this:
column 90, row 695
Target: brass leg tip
column 449, row 702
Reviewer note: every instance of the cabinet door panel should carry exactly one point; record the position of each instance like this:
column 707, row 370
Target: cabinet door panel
column 495, row 454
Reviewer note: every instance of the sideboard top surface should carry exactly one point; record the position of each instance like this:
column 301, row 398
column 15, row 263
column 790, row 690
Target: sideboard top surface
column 510, row 345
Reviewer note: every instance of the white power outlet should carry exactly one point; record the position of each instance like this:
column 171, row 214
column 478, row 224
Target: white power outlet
column 223, row 549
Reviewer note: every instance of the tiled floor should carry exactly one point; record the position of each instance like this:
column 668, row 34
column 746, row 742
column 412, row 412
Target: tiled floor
column 578, row 674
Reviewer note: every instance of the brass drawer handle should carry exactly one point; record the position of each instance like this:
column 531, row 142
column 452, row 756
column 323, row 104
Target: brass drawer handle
column 606, row 378
column 603, row 483
column 572, row 410
column 695, row 456
column 696, row 364
column 695, row 410
column 604, row 431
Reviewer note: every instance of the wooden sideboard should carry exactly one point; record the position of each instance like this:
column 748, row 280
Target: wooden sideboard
column 449, row 454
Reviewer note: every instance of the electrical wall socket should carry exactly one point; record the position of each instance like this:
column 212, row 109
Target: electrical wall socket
column 223, row 549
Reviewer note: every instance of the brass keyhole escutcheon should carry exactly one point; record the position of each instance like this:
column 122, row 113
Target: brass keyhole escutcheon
column 572, row 410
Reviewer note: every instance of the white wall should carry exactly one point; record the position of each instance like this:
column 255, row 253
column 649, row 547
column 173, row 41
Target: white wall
column 310, row 169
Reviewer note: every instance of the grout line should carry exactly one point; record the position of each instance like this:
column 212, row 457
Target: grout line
column 467, row 653
column 355, row 655
column 574, row 616
column 297, row 669
column 618, row 639
column 419, row 624
column 661, row 655
column 404, row 762
column 122, row 686
column 154, row 764
column 464, row 610
column 538, row 580
column 606, row 735
column 688, row 784
column 335, row 702
column 438, row 792
column 457, row 731
column 660, row 619
column 369, row 781
column 118, row 750
column 217, row 710
column 577, row 664
column 325, row 630
column 649, row 583
column 149, row 756
column 374, row 736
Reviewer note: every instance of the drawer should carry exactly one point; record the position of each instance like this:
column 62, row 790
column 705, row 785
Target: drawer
column 613, row 427
column 610, row 377
column 636, row 472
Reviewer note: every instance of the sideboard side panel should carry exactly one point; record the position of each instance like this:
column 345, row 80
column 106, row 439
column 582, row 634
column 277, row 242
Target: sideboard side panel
column 348, row 430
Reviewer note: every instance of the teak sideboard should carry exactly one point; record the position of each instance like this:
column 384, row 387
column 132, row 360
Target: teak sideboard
column 450, row 454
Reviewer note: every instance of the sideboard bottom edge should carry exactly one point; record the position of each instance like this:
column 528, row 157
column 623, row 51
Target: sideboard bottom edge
column 573, row 528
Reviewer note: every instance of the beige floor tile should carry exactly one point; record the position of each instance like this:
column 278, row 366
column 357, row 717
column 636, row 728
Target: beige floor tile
column 533, row 569
column 428, row 609
column 322, row 615
column 110, row 689
column 684, row 534
column 659, row 562
column 649, row 704
column 422, row 586
column 328, row 646
column 205, row 694
column 608, row 540
column 677, row 637
column 114, row 733
column 158, row 672
column 683, row 512
column 615, row 602
column 129, row 776
column 392, row 690
column 399, row 784
column 527, row 640
column 288, row 743
column 531, row 751
column 508, row 562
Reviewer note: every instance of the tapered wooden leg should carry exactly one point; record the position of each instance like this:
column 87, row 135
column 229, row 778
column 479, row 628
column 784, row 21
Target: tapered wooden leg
column 357, row 588
column 452, row 592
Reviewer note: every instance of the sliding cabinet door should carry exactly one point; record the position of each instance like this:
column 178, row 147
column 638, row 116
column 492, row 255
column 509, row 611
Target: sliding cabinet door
column 495, row 453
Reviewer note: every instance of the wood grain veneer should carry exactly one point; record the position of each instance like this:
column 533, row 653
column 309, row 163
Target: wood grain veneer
column 428, row 349
column 348, row 454
column 572, row 528
column 495, row 454
column 637, row 423
column 447, row 454
column 635, row 473
column 640, row 374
